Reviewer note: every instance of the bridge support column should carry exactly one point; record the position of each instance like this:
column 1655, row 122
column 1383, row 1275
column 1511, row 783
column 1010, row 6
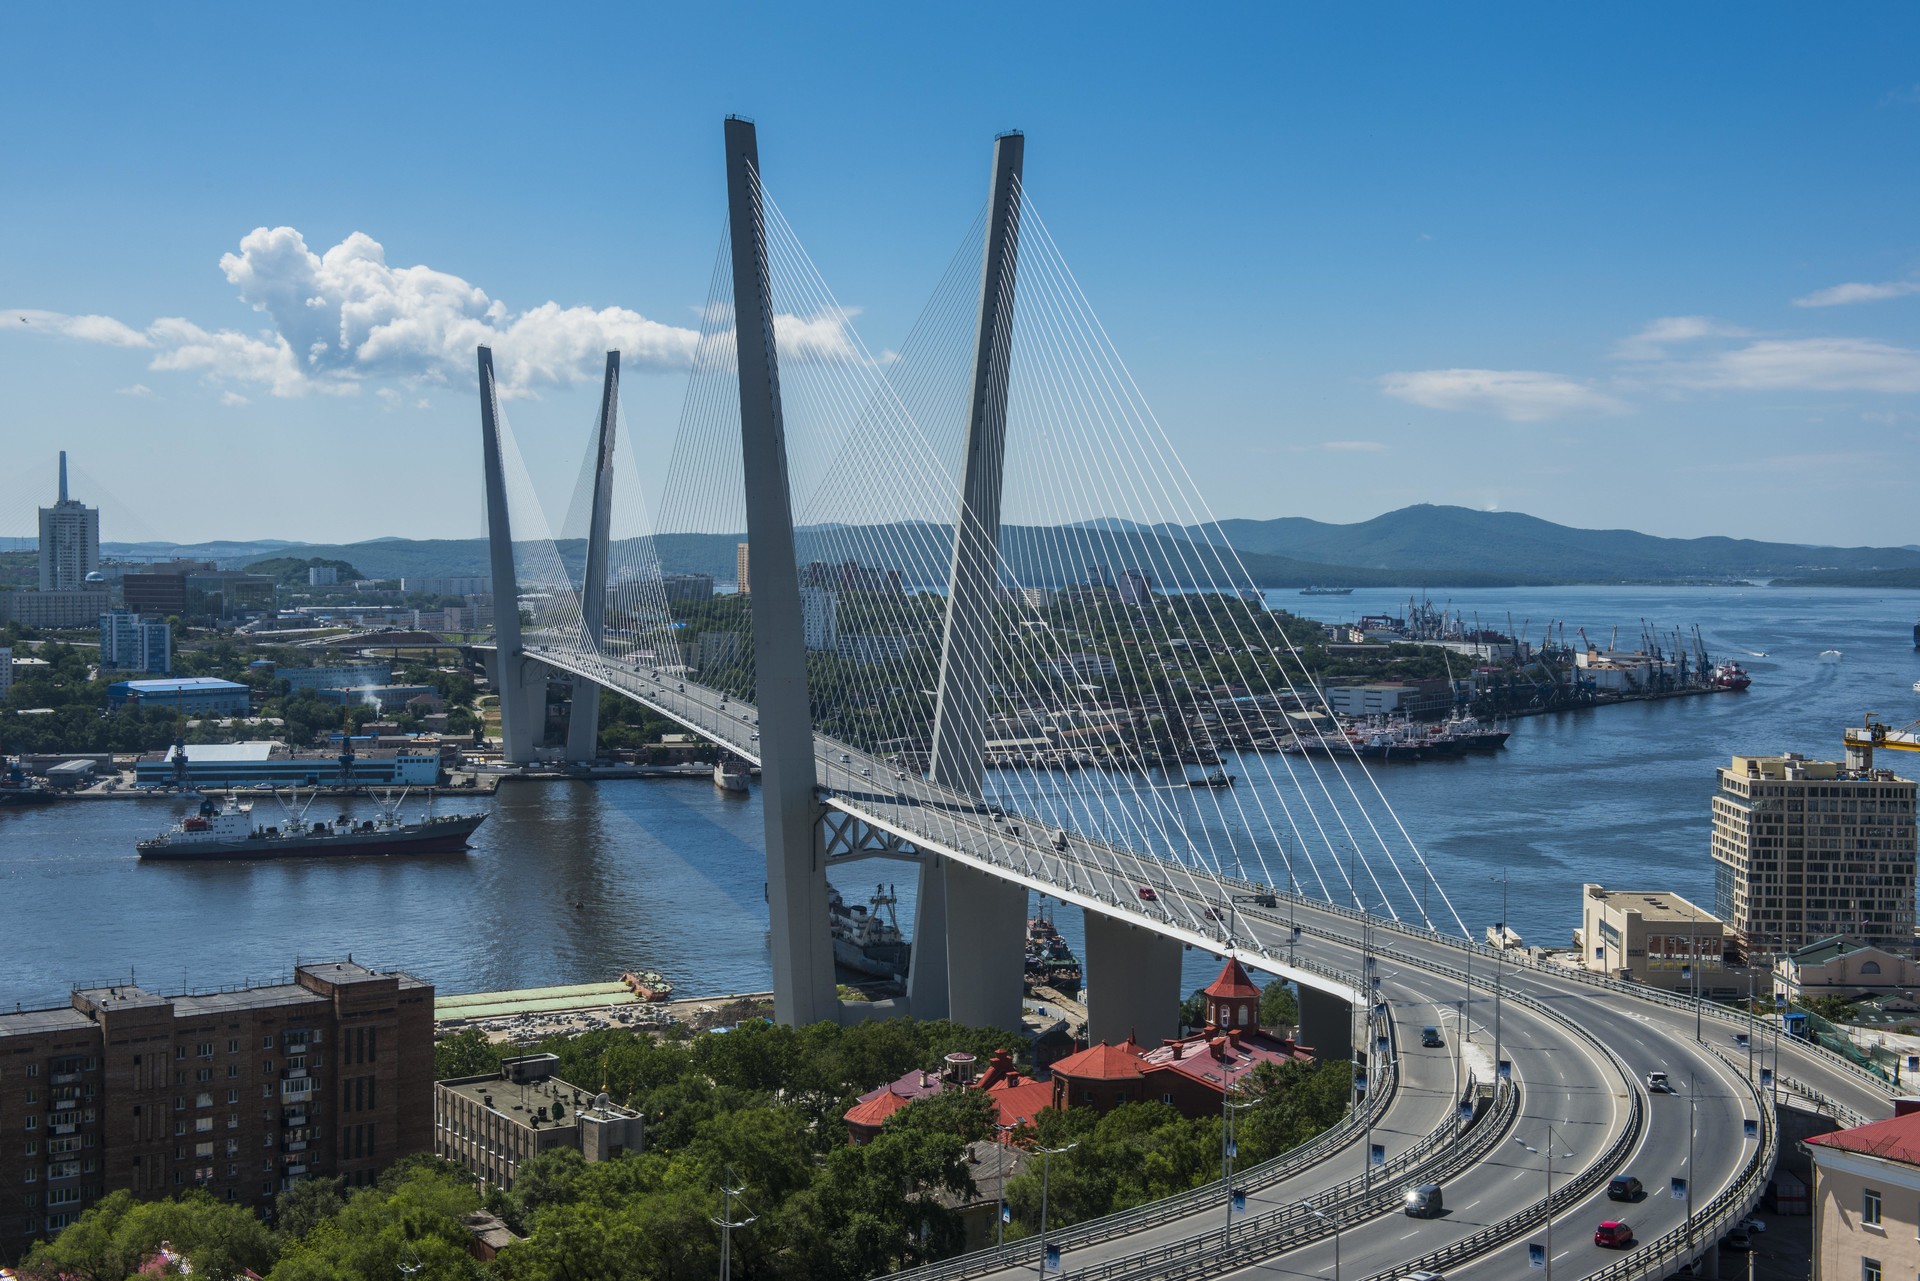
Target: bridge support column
column 583, row 717
column 803, row 986
column 985, row 928
column 1133, row 977
column 522, row 717
column 1326, row 1024
column 927, row 972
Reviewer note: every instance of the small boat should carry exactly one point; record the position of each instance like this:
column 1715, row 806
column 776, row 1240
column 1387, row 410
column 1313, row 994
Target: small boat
column 1829, row 656
column 1730, row 675
column 648, row 985
column 1215, row 778
column 1916, row 687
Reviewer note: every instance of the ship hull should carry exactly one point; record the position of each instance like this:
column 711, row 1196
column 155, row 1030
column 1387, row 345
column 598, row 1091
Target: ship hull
column 445, row 836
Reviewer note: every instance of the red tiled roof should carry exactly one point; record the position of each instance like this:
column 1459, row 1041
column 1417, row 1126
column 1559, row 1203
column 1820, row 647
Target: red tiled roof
column 1102, row 1062
column 1896, row 1139
column 1203, row 1059
column 874, row 1112
column 1022, row 1103
column 1233, row 983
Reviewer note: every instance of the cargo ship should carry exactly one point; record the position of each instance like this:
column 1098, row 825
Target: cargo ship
column 229, row 832
column 867, row 940
column 18, row 789
column 1326, row 591
column 1050, row 962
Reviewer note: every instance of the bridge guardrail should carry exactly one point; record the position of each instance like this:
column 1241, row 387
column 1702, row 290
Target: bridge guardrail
column 1209, row 1253
column 1181, row 1204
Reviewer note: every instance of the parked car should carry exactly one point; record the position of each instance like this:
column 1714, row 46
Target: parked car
column 1624, row 1187
column 1613, row 1234
column 1739, row 1240
column 1657, row 1083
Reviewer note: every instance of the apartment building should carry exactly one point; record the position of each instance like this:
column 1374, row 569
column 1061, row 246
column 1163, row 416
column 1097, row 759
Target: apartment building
column 494, row 1124
column 1805, row 850
column 243, row 1093
column 1866, row 1200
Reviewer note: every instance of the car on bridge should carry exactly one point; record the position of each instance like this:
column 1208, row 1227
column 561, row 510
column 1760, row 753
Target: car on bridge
column 1657, row 1083
column 1624, row 1187
column 1430, row 1038
column 1614, row 1234
column 1147, row 895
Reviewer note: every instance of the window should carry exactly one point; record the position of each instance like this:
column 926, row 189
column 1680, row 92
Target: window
column 1167, row 1099
column 266, row 1042
column 233, row 1071
column 233, row 1046
column 1870, row 1209
column 33, row 1122
column 33, row 1147
column 233, row 1096
column 1869, row 1270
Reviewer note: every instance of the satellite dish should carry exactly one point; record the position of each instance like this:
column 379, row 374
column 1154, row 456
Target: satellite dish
column 602, row 1100
column 96, row 577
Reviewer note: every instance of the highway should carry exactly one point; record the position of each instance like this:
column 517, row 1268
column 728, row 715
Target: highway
column 1580, row 1049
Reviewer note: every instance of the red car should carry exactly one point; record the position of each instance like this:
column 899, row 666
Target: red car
column 1614, row 1234
column 1147, row 894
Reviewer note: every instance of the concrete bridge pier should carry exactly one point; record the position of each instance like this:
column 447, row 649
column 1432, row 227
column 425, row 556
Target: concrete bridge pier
column 1326, row 1024
column 986, row 935
column 927, row 977
column 1134, row 982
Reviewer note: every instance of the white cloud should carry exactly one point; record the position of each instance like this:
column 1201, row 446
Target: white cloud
column 1805, row 364
column 1354, row 446
column 100, row 329
column 346, row 317
column 1841, row 295
column 1652, row 341
column 233, row 399
column 1520, row 395
column 140, row 391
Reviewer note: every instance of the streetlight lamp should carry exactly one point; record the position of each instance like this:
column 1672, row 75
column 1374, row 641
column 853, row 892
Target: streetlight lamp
column 1553, row 1136
column 1046, row 1161
column 1229, row 1144
column 727, row 1225
column 1499, row 955
column 1308, row 1207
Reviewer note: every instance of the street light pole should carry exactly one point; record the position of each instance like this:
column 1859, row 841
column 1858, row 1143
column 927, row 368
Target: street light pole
column 1046, row 1161
column 1336, row 1235
column 1547, row 1147
column 1229, row 1141
column 1691, row 1104
column 1000, row 1211
column 727, row 1225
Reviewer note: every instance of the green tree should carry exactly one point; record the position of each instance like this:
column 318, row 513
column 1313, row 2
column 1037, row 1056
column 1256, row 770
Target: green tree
column 467, row 1052
column 1278, row 1007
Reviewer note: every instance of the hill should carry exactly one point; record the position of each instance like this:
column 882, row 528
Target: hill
column 1427, row 539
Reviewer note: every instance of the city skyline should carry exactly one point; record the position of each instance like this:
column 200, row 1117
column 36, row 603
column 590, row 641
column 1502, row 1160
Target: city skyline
column 1543, row 266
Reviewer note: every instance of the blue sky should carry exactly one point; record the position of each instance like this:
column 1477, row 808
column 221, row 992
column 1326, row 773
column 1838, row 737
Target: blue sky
column 1652, row 266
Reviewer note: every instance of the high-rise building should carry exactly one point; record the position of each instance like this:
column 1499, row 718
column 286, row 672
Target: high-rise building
column 69, row 540
column 243, row 1093
column 129, row 643
column 322, row 575
column 687, row 587
column 740, row 569
column 819, row 617
column 1805, row 850
column 6, row 673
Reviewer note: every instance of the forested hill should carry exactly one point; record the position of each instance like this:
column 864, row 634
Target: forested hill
column 1416, row 546
column 1426, row 539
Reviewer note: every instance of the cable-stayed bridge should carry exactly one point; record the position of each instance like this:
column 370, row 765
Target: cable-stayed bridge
column 984, row 622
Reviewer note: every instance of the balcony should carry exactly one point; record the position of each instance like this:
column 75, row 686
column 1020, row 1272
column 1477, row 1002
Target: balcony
column 290, row 1120
column 66, row 1078
column 63, row 1127
column 298, row 1145
column 293, row 1074
column 296, row 1171
column 64, row 1105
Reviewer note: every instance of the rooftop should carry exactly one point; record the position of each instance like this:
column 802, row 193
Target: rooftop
column 532, row 1104
column 1233, row 983
column 1896, row 1139
column 1654, row 906
column 1828, row 949
column 181, row 683
column 1103, row 1062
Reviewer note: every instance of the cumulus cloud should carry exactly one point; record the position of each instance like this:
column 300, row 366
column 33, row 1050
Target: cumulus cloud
column 139, row 391
column 1520, row 395
column 1841, row 295
column 1652, row 341
column 233, row 399
column 1805, row 364
column 346, row 317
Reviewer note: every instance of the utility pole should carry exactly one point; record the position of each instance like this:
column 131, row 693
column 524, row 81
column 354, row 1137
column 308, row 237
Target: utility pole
column 1000, row 1211
column 1336, row 1235
column 1553, row 1136
column 1229, row 1142
column 1691, row 1105
column 1046, row 1162
column 727, row 1224
column 1499, row 955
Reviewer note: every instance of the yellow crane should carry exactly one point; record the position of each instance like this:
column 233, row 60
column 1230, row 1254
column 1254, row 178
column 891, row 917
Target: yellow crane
column 1863, row 739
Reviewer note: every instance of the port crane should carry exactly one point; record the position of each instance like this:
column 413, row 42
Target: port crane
column 1862, row 741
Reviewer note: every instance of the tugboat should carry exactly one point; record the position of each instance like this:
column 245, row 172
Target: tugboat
column 1216, row 777
column 229, row 832
column 867, row 940
column 1050, row 962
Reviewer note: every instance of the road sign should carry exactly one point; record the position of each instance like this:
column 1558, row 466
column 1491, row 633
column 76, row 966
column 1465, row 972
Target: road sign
column 1679, row 1189
column 1536, row 1255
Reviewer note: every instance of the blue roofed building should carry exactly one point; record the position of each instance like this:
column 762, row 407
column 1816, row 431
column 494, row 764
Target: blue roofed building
column 189, row 695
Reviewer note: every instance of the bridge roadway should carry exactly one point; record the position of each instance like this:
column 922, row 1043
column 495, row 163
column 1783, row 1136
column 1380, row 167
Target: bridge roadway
column 1557, row 1035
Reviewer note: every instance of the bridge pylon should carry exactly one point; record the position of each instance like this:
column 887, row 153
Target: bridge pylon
column 520, row 683
column 583, row 717
column 803, row 984
column 969, row 930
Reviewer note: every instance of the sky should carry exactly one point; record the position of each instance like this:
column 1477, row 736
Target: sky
column 1654, row 267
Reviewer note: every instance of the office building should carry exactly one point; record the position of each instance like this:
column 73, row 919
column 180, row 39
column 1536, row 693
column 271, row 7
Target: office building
column 322, row 576
column 1805, row 850
column 1866, row 1199
column 496, row 1123
column 867, row 649
column 1135, row 588
column 344, row 676
column 76, row 607
column 160, row 591
column 740, row 569
column 442, row 585
column 687, row 586
column 130, row 643
column 273, row 764
column 1650, row 936
column 819, row 617
column 228, row 594
column 188, row 695
column 6, row 673
column 69, row 540
column 241, row 1093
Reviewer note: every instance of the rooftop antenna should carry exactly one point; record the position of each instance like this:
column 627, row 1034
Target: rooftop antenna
column 63, row 477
